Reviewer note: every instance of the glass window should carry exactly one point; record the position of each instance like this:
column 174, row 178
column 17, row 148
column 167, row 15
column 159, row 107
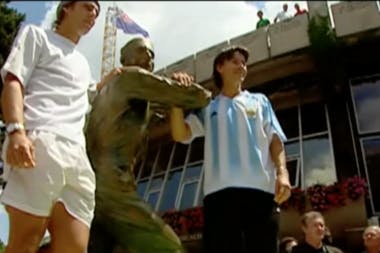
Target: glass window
column 141, row 188
column 170, row 191
column 293, row 168
column 196, row 152
column 156, row 183
column 153, row 198
column 292, row 149
column 193, row 172
column 188, row 195
column 201, row 196
column 149, row 163
column 366, row 96
column 372, row 158
column 137, row 168
column 164, row 156
column 289, row 122
column 179, row 155
column 1, row 167
column 318, row 164
column 313, row 118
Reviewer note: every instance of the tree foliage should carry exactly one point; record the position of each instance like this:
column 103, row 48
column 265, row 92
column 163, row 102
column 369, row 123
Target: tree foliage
column 326, row 50
column 10, row 21
column 2, row 246
column 322, row 37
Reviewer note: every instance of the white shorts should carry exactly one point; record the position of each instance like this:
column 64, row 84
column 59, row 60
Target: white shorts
column 62, row 173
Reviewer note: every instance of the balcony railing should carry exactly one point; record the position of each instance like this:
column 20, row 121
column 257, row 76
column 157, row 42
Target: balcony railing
column 282, row 38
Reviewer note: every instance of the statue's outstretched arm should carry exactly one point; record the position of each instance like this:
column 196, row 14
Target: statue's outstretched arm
column 141, row 84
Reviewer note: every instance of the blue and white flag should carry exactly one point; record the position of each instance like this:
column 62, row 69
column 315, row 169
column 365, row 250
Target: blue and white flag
column 125, row 23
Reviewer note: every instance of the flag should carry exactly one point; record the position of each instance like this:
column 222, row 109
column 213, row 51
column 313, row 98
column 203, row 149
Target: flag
column 125, row 23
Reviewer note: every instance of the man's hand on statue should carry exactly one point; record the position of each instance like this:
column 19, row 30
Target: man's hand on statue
column 283, row 188
column 20, row 151
column 109, row 76
column 183, row 78
column 112, row 73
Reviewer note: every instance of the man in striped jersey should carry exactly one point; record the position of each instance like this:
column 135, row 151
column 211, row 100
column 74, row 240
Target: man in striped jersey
column 245, row 165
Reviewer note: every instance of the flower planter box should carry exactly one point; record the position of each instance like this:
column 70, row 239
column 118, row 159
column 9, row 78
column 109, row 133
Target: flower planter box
column 342, row 205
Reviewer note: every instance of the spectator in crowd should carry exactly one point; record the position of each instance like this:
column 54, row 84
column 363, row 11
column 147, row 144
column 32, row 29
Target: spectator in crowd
column 299, row 11
column 287, row 243
column 327, row 239
column 371, row 239
column 313, row 226
column 283, row 15
column 262, row 21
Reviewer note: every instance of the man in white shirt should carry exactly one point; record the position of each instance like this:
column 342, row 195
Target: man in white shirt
column 283, row 15
column 50, row 182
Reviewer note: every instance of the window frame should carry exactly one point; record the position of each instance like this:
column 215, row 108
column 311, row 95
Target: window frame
column 356, row 115
column 362, row 136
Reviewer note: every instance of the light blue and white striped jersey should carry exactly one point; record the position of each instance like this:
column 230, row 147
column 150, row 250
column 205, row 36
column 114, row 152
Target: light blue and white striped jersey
column 238, row 132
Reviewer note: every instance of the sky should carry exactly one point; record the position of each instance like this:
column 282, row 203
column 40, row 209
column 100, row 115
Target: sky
column 3, row 225
column 177, row 29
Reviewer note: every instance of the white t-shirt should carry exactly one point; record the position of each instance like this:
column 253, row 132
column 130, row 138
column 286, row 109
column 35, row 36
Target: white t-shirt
column 283, row 15
column 56, row 79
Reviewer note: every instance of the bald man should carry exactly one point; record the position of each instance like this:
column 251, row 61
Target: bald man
column 117, row 135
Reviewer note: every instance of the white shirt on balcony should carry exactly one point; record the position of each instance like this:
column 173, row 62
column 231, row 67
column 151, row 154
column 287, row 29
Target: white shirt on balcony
column 282, row 16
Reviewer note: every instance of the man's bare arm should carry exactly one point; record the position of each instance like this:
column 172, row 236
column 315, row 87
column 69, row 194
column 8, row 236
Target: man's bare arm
column 12, row 100
column 179, row 128
column 108, row 77
column 20, row 151
column 277, row 151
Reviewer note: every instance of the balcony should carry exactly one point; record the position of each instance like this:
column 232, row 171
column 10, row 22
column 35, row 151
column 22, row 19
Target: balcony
column 277, row 41
column 355, row 17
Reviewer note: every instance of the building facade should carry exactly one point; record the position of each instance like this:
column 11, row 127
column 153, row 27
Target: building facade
column 330, row 114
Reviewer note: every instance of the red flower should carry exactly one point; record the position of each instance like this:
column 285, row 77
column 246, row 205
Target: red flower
column 297, row 200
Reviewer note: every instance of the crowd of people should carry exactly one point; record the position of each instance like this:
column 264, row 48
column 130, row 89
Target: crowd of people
column 281, row 16
column 318, row 238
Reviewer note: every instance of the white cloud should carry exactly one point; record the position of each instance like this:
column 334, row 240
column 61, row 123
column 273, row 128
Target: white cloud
column 4, row 225
column 2, row 210
column 177, row 29
column 50, row 8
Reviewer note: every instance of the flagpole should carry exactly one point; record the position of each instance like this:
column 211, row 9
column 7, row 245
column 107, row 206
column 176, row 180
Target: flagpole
column 109, row 41
column 114, row 7
column 114, row 25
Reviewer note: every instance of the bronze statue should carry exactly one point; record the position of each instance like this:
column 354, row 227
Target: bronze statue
column 116, row 131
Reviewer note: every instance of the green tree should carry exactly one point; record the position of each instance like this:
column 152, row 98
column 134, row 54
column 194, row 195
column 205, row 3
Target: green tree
column 10, row 21
column 2, row 246
column 326, row 49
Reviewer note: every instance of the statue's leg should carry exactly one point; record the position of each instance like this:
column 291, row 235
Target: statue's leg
column 136, row 227
column 100, row 240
